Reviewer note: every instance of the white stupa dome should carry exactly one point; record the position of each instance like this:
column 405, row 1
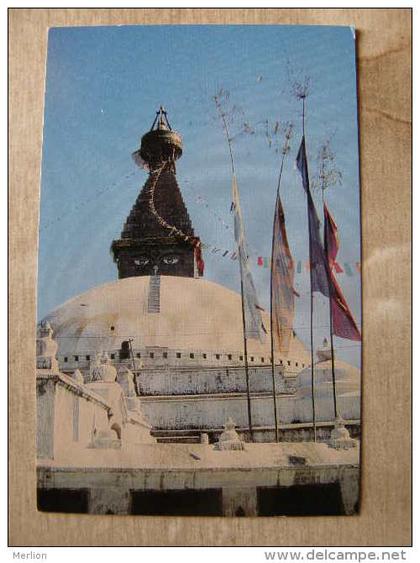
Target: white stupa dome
column 193, row 314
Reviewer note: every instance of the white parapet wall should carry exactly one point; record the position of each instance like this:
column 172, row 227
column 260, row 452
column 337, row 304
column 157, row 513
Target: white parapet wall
column 68, row 415
column 74, row 417
column 238, row 482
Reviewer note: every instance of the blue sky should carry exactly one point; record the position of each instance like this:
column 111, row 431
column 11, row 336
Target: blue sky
column 103, row 87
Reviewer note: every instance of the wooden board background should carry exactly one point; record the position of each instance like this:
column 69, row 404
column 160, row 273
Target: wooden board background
column 384, row 64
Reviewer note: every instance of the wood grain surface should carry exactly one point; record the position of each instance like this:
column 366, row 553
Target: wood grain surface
column 384, row 66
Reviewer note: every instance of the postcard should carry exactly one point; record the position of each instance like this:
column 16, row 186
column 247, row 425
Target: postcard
column 199, row 288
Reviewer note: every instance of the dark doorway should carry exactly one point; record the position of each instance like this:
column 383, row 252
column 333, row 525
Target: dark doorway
column 205, row 502
column 300, row 500
column 125, row 351
column 63, row 500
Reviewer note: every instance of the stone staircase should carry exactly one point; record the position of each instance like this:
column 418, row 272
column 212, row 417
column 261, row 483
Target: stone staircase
column 153, row 303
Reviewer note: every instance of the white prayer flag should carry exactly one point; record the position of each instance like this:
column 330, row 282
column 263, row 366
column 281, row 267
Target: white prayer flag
column 254, row 327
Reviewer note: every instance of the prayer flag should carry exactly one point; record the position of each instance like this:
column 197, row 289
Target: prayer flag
column 317, row 259
column 282, row 280
column 343, row 323
column 253, row 321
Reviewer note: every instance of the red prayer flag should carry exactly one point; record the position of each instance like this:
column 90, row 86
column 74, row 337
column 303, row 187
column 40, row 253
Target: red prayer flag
column 344, row 324
column 343, row 321
column 198, row 256
column 332, row 240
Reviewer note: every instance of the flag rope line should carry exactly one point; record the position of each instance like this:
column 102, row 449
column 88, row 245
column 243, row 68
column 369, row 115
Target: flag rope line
column 220, row 252
column 81, row 203
column 194, row 241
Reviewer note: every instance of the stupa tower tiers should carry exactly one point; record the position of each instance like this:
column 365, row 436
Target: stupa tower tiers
column 158, row 237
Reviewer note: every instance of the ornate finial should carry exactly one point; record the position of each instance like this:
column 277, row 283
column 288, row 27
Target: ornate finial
column 162, row 120
column 77, row 376
column 125, row 378
column 340, row 436
column 229, row 439
column 104, row 358
column 94, row 364
column 44, row 329
column 102, row 369
column 46, row 348
column 229, row 424
column 160, row 145
column 324, row 351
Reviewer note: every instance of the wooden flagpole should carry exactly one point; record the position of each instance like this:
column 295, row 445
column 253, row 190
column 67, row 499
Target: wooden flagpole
column 312, row 293
column 323, row 187
column 273, row 376
column 245, row 340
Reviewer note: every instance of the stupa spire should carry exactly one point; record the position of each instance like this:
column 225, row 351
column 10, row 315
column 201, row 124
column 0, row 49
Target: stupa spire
column 158, row 237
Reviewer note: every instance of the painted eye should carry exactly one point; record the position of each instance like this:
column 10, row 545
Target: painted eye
column 142, row 261
column 170, row 259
